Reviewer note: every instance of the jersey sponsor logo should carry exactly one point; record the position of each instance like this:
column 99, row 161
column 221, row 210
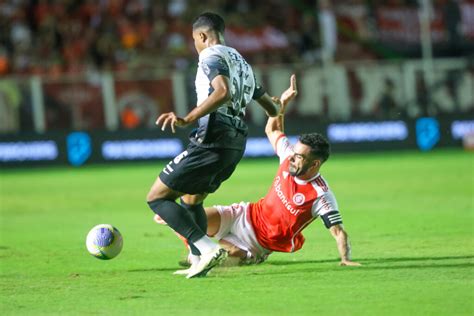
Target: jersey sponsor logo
column 299, row 198
column 283, row 198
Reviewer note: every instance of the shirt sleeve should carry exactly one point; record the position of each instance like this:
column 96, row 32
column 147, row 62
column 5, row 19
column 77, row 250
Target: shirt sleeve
column 259, row 90
column 326, row 207
column 283, row 148
column 214, row 65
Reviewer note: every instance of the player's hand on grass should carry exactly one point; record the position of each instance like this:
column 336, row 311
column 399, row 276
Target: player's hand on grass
column 347, row 263
column 170, row 119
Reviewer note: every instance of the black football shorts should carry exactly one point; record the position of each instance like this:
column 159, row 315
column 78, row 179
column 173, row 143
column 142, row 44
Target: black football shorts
column 199, row 170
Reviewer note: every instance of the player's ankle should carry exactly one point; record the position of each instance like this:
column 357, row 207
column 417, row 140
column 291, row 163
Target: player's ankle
column 205, row 244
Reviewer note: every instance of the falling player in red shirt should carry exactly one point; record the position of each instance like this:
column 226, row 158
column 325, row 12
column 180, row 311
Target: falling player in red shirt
column 298, row 195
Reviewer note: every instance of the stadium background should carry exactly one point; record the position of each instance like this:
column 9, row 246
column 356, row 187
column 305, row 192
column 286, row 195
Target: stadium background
column 83, row 81
column 391, row 83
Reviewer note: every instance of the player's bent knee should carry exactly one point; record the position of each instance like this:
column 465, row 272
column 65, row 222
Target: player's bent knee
column 151, row 196
column 192, row 199
column 160, row 191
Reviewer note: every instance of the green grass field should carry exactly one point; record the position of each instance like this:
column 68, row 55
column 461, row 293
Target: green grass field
column 409, row 216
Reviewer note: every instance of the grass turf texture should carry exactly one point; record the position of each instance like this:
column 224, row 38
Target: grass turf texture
column 409, row 216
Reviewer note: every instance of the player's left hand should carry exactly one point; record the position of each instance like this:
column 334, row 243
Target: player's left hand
column 347, row 263
column 290, row 93
column 171, row 119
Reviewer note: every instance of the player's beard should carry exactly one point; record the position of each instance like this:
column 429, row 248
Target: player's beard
column 296, row 172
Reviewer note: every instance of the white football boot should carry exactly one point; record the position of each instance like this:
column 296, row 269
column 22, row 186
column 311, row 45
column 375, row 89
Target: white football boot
column 207, row 262
column 182, row 272
column 193, row 261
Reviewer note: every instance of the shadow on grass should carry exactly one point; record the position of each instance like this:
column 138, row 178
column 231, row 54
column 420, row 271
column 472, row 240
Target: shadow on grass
column 420, row 266
column 367, row 264
column 154, row 270
column 372, row 260
column 374, row 264
column 365, row 268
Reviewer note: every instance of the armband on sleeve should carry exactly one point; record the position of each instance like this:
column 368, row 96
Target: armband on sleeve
column 332, row 218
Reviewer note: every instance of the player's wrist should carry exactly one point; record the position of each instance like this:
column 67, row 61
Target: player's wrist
column 189, row 119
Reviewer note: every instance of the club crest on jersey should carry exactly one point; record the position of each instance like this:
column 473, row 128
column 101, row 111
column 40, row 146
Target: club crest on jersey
column 299, row 198
column 285, row 174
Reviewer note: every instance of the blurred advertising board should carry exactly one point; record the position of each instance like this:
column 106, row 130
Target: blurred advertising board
column 80, row 148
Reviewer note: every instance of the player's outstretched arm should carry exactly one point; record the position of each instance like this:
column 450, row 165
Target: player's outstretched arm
column 219, row 96
column 343, row 246
column 269, row 105
column 275, row 125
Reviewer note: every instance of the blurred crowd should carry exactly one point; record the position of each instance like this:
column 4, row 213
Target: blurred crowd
column 54, row 37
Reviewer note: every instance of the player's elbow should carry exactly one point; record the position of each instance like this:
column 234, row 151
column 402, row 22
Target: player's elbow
column 268, row 130
column 270, row 127
column 223, row 94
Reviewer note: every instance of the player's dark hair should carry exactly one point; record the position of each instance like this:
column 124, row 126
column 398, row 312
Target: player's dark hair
column 319, row 145
column 210, row 20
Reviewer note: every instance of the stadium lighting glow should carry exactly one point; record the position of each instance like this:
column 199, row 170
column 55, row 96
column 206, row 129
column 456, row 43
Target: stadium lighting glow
column 459, row 129
column 28, row 151
column 141, row 149
column 367, row 132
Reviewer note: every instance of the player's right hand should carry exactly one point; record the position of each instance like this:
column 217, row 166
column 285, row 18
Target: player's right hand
column 171, row 119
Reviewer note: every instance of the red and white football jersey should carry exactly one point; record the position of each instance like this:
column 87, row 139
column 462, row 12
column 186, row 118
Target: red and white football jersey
column 290, row 206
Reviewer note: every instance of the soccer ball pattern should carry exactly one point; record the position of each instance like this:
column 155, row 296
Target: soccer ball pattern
column 104, row 242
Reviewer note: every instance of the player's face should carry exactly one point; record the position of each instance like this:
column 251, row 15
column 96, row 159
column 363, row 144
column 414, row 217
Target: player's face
column 301, row 162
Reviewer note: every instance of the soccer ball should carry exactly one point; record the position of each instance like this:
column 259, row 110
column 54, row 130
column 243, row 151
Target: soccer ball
column 104, row 242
